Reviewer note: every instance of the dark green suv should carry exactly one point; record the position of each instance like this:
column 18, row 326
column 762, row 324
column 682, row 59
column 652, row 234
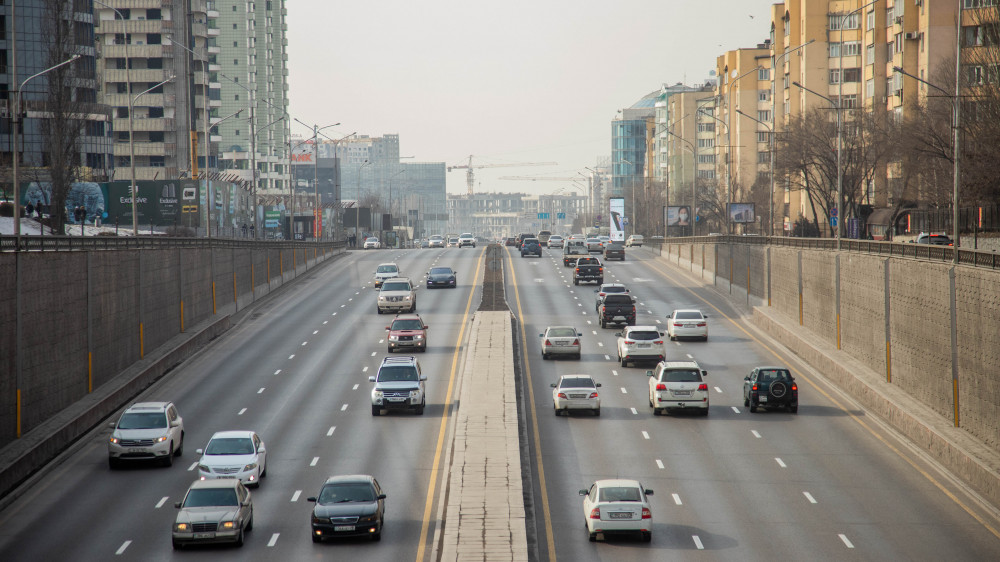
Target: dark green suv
column 770, row 388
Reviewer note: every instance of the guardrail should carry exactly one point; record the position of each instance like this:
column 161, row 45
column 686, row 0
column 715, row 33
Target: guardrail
column 80, row 243
column 930, row 252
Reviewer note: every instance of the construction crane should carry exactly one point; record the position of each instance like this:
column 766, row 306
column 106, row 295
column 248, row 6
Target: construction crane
column 469, row 167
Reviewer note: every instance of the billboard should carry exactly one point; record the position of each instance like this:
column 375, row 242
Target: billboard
column 742, row 212
column 159, row 202
column 679, row 215
column 617, row 219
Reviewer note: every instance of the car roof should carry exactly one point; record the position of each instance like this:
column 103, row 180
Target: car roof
column 398, row 279
column 214, row 483
column 698, row 310
column 634, row 328
column 622, row 285
column 772, row 368
column 393, row 264
column 618, row 482
column 680, row 364
column 407, row 317
column 344, row 478
column 553, row 327
column 577, row 375
column 232, row 433
column 399, row 360
column 148, row 407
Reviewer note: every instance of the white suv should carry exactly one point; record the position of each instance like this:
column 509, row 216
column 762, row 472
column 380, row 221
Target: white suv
column 640, row 343
column 397, row 295
column 399, row 385
column 385, row 271
column 467, row 239
column 678, row 385
column 146, row 431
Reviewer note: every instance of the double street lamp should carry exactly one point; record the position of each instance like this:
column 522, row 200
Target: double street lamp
column 316, row 211
column 840, row 165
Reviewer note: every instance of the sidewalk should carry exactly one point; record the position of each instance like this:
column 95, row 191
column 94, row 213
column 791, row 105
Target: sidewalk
column 484, row 517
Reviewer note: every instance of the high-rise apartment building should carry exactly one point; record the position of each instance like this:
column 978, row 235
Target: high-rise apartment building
column 689, row 143
column 251, row 36
column 143, row 43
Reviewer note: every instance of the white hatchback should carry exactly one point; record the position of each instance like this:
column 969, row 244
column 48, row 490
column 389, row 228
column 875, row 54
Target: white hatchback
column 617, row 506
column 234, row 454
column 640, row 343
column 689, row 323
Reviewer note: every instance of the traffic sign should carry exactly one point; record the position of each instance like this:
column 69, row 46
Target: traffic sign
column 560, row 215
column 833, row 221
column 833, row 212
column 543, row 215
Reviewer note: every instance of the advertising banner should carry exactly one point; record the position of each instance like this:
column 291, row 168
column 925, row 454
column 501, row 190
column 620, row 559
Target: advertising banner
column 679, row 215
column 161, row 203
column 617, row 216
column 742, row 213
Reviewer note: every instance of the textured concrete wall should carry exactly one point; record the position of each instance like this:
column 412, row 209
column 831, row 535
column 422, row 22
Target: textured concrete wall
column 8, row 346
column 722, row 263
column 222, row 265
column 114, row 304
column 977, row 300
column 785, row 282
column 242, row 260
column 819, row 296
column 862, row 309
column 197, row 285
column 161, row 297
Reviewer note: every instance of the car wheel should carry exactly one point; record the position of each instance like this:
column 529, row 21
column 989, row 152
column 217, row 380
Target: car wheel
column 657, row 411
column 317, row 538
column 376, row 411
column 263, row 473
column 239, row 539
column 113, row 463
column 180, row 449
column 545, row 357
column 250, row 522
column 647, row 536
column 631, row 322
column 577, row 356
column 753, row 407
column 704, row 338
column 597, row 412
column 624, row 362
column 377, row 536
column 576, row 281
column 794, row 409
column 420, row 409
column 593, row 537
column 379, row 310
column 169, row 459
column 388, row 349
column 704, row 413
column 178, row 546
column 603, row 323
column 746, row 401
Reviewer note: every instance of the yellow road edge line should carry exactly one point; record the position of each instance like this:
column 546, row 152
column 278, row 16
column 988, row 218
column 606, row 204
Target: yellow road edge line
column 429, row 503
column 534, row 422
column 840, row 406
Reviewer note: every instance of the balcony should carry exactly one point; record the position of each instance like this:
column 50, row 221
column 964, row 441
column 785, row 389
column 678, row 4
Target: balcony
column 143, row 148
column 135, row 51
column 213, row 32
column 134, row 26
column 131, row 4
column 165, row 124
column 150, row 75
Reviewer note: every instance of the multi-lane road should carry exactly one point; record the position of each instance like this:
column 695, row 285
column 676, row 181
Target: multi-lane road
column 828, row 483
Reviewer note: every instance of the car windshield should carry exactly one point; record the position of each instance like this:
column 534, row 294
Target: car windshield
column 343, row 493
column 592, row 240
column 619, row 494
column 395, row 286
column 372, row 239
column 440, row 271
column 466, row 236
column 577, row 382
column 436, row 237
column 618, row 299
column 230, row 446
column 211, row 497
column 643, row 334
column 453, row 239
column 397, row 373
column 681, row 376
column 562, row 333
column 687, row 316
column 156, row 420
column 408, row 324
column 637, row 237
column 386, row 269
column 774, row 375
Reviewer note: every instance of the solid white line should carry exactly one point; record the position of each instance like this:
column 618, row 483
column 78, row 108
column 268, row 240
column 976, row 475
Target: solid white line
column 635, row 412
column 193, row 466
column 295, row 496
column 304, row 343
column 645, row 435
column 615, row 373
column 278, row 371
column 261, row 391
column 677, row 499
column 331, row 430
column 755, row 434
column 735, row 409
column 719, row 390
column 314, row 461
column 355, row 387
column 697, row 542
column 607, row 358
column 317, row 331
column 274, row 539
column 241, row 412
column 781, row 463
column 659, row 464
column 809, row 497
column 847, row 543
column 162, row 501
column 624, row 391
column 344, row 407
column 125, row 544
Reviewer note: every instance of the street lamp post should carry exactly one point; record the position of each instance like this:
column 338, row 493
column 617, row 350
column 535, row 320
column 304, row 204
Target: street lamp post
column 316, row 129
column 770, row 130
column 14, row 122
column 728, row 193
column 729, row 141
column 391, row 225
column 631, row 213
column 840, row 169
column 357, row 211
column 774, row 120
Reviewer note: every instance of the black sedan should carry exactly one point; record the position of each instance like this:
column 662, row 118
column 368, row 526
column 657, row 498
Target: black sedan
column 441, row 277
column 348, row 506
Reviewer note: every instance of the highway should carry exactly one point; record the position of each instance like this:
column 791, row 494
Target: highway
column 828, row 483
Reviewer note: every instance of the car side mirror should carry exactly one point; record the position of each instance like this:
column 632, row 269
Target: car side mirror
column 583, row 492
column 247, row 503
column 112, row 425
column 426, row 327
column 598, row 385
column 705, row 315
column 662, row 334
column 618, row 334
column 649, row 492
column 387, row 328
column 199, row 451
column 423, row 377
column 311, row 499
column 649, row 373
column 746, row 378
column 704, row 373
column 175, row 423
column 553, row 385
column 381, row 496
column 541, row 335
column 177, row 505
column 597, row 290
column 261, row 450
column 371, row 378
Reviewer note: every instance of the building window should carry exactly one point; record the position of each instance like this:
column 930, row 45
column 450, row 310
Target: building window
column 156, row 136
column 706, row 174
column 835, row 76
column 764, row 74
column 870, row 88
column 849, row 101
column 153, row 14
column 157, row 162
column 706, row 127
column 764, row 115
column 852, row 75
column 838, row 21
column 972, row 4
column 871, row 19
column 706, row 159
column 706, row 143
column 763, row 136
column 870, row 54
column 764, row 95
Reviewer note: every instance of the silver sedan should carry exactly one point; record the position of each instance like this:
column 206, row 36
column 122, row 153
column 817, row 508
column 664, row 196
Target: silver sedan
column 560, row 340
column 576, row 392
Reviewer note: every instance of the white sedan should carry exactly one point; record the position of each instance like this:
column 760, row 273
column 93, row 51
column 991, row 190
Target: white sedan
column 555, row 241
column 560, row 340
column 372, row 243
column 576, row 392
column 234, row 454
column 640, row 343
column 688, row 323
column 617, row 506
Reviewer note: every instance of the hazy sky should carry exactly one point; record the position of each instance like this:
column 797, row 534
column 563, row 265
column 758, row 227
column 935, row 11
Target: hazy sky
column 507, row 80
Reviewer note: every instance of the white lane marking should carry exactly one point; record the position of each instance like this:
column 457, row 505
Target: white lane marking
column 381, row 341
column 781, row 463
column 365, row 370
column 355, row 387
column 344, row 407
column 697, row 542
column 649, row 312
column 121, row 549
column 719, row 390
column 292, row 356
column 659, row 464
column 325, row 322
column 809, row 497
column 314, row 461
column 304, row 343
column 847, row 543
column 658, row 322
column 261, row 391
column 689, row 356
column 576, row 298
column 607, row 358
column 579, row 304
column 317, row 331
column 677, row 499
column 373, row 354
column 241, row 412
column 343, row 306
column 278, row 371
column 162, row 501
column 274, row 539
column 334, row 314
column 594, row 331
column 193, row 466
column 330, row 431
column 615, row 373
column 635, row 412
column 624, row 391
column 357, row 292
column 677, row 343
column 584, row 313
column 735, row 409
column 645, row 435
column 755, row 434
column 600, row 344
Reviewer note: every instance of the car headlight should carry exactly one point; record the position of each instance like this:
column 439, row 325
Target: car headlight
column 414, row 394
column 377, row 394
column 368, row 518
column 114, row 439
column 381, row 298
column 182, row 527
column 227, row 525
column 418, row 337
column 160, row 439
column 204, row 468
column 393, row 338
column 250, row 467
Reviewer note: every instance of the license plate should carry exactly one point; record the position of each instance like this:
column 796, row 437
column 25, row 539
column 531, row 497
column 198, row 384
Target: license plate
column 644, row 346
column 762, row 399
column 619, row 515
column 204, row 535
column 562, row 343
column 343, row 527
column 682, row 393
column 396, row 399
column 138, row 450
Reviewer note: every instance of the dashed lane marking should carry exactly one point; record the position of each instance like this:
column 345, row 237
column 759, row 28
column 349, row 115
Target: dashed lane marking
column 677, row 499
column 635, row 412
column 261, row 391
column 343, row 408
column 121, row 549
column 697, row 542
column 645, row 435
column 330, row 431
column 735, row 409
column 274, row 539
column 314, row 461
column 659, row 464
column 241, row 412
column 780, row 462
column 847, row 542
column 809, row 497
column 162, row 501
column 755, row 434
